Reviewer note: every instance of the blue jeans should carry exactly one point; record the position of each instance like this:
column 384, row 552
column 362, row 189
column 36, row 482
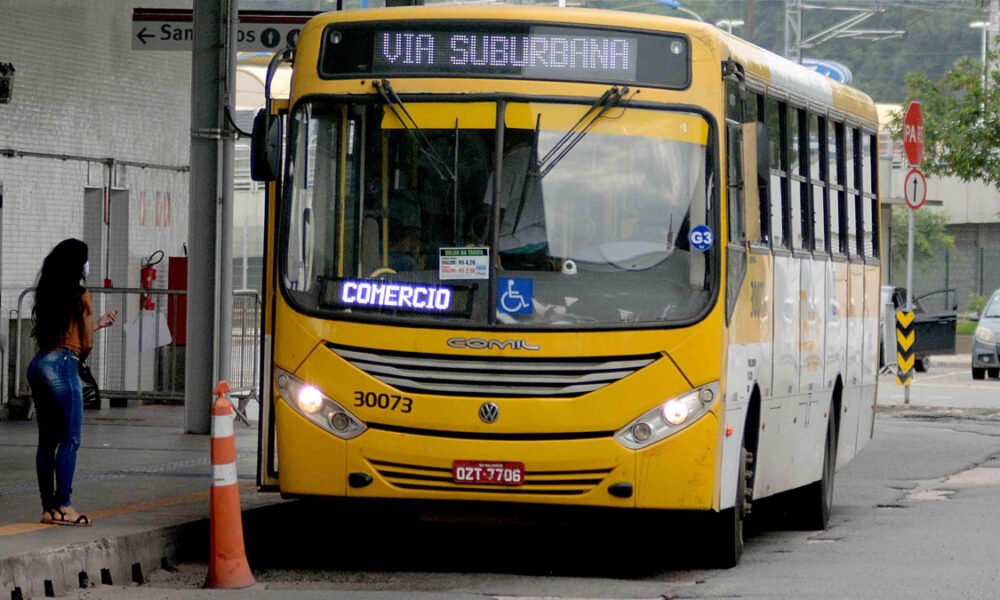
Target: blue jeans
column 58, row 393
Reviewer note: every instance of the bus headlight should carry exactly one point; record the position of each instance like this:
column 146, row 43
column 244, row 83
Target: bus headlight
column 668, row 418
column 987, row 336
column 319, row 408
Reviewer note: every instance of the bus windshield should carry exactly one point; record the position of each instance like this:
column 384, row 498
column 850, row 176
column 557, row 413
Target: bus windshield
column 521, row 214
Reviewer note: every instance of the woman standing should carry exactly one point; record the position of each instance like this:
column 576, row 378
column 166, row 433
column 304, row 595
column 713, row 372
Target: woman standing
column 64, row 330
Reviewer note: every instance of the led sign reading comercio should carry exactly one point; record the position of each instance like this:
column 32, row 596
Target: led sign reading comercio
column 397, row 296
column 505, row 49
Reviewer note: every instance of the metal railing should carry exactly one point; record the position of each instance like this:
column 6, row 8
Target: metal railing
column 140, row 358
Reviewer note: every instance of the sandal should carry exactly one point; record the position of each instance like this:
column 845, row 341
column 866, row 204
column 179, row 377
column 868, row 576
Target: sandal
column 58, row 517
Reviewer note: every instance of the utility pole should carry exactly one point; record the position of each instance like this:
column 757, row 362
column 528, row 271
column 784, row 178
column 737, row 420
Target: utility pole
column 210, row 212
column 793, row 30
column 750, row 19
column 994, row 20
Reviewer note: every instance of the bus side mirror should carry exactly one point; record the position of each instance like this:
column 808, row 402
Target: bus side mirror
column 265, row 147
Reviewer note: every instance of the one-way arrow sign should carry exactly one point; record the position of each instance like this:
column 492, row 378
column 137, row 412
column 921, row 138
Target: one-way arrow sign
column 259, row 31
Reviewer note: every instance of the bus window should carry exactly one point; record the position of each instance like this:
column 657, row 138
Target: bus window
column 854, row 213
column 314, row 197
column 838, row 195
column 800, row 215
column 775, row 123
column 581, row 216
column 817, row 164
column 868, row 227
column 734, row 102
column 754, row 113
column 872, row 199
column 734, row 157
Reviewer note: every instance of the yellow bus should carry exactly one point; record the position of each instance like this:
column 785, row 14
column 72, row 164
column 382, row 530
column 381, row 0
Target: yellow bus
column 570, row 257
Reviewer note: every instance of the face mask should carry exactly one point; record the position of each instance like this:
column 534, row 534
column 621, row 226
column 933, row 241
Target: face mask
column 86, row 269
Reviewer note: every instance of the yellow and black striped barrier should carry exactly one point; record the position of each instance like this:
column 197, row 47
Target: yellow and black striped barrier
column 905, row 337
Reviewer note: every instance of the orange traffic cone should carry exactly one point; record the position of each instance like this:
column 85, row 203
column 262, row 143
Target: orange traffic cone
column 227, row 558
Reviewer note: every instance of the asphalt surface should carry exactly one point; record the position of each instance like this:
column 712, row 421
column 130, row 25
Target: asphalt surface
column 145, row 483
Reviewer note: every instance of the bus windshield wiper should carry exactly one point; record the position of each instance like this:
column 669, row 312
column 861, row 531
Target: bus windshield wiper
column 608, row 100
column 392, row 100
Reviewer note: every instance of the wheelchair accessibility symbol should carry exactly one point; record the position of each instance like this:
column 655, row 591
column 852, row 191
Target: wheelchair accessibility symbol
column 514, row 295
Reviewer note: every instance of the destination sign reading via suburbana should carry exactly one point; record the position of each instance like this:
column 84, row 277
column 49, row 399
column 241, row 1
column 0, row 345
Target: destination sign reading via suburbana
column 519, row 50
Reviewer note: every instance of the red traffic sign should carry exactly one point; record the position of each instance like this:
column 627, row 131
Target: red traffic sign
column 915, row 188
column 913, row 134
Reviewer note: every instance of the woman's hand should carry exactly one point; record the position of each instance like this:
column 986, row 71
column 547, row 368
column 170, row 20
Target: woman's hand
column 107, row 319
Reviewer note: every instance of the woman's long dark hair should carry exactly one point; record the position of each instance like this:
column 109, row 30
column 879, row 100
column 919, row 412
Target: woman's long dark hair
column 58, row 293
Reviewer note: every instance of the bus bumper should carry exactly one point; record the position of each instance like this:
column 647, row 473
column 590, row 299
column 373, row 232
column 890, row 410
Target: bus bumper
column 680, row 472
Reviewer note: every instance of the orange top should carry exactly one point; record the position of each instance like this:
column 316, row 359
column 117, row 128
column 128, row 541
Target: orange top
column 79, row 337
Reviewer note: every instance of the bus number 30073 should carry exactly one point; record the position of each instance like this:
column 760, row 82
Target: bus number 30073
column 383, row 401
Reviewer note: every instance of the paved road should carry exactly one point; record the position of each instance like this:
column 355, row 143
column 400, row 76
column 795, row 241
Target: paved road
column 915, row 517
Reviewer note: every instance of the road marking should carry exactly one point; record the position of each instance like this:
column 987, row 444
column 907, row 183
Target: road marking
column 106, row 513
column 18, row 528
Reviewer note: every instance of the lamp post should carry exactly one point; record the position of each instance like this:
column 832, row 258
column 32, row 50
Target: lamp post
column 985, row 27
column 728, row 24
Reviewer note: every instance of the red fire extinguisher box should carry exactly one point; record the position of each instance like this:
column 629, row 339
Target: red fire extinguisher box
column 177, row 275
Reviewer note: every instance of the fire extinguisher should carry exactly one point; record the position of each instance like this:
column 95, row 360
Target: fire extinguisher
column 146, row 276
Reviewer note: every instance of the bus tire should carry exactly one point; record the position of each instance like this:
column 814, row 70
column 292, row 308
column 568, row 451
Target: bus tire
column 978, row 373
column 922, row 364
column 727, row 535
column 816, row 500
column 993, row 373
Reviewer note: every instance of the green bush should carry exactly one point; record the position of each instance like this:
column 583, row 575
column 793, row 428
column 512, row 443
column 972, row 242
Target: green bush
column 965, row 328
column 977, row 302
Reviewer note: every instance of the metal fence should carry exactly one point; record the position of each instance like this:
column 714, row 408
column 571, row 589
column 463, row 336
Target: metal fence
column 142, row 357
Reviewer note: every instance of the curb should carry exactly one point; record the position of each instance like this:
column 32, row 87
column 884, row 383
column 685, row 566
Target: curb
column 113, row 560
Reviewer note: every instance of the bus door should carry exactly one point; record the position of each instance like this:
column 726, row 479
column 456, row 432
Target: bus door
column 266, row 161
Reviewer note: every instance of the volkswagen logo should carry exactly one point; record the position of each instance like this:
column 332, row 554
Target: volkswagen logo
column 489, row 412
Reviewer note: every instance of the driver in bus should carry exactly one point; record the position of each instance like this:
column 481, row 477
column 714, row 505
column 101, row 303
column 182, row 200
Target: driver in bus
column 523, row 239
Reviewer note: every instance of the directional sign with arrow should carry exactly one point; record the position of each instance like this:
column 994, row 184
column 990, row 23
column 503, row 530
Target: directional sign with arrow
column 259, row 31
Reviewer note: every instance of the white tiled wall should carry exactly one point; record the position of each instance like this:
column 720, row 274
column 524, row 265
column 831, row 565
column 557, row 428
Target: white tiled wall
column 80, row 90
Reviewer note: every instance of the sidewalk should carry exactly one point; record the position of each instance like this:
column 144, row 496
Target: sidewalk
column 143, row 481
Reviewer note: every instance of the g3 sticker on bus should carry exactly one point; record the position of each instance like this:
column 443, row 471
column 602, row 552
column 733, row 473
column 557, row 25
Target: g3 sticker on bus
column 701, row 238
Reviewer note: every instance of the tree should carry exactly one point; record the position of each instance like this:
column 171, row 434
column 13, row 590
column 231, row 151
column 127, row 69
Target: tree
column 930, row 237
column 961, row 121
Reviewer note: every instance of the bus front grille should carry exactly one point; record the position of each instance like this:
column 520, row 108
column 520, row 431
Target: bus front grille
column 545, row 483
column 449, row 375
